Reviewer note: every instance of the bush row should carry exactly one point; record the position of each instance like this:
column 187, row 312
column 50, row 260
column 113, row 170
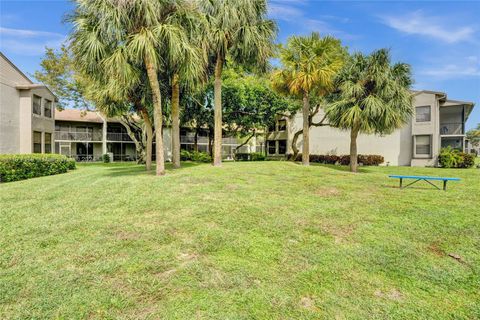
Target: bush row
column 196, row 156
column 15, row 167
column 453, row 158
column 254, row 156
column 366, row 160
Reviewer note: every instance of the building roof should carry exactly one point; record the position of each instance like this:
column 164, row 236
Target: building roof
column 30, row 84
column 15, row 67
column 78, row 115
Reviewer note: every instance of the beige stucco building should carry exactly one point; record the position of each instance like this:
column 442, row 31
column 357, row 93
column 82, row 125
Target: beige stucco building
column 27, row 112
column 438, row 122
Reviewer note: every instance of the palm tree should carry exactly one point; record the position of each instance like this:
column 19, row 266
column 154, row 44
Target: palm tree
column 373, row 97
column 187, row 68
column 309, row 65
column 240, row 30
column 143, row 30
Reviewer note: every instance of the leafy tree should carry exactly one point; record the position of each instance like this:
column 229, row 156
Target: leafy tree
column 250, row 104
column 186, row 68
column 473, row 136
column 124, row 102
column 309, row 65
column 108, row 32
column 373, row 97
column 59, row 74
column 238, row 29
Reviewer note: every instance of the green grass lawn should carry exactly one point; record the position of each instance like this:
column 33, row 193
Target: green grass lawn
column 264, row 240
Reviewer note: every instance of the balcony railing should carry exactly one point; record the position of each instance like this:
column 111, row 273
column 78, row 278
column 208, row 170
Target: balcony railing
column 112, row 136
column 191, row 139
column 451, row 128
column 78, row 136
column 204, row 140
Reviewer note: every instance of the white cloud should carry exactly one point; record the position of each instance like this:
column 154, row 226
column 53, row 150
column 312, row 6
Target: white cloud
column 421, row 24
column 460, row 67
column 24, row 33
column 293, row 12
column 28, row 42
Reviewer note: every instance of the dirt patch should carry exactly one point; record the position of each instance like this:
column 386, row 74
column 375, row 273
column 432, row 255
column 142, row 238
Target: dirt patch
column 127, row 235
column 393, row 294
column 340, row 233
column 436, row 250
column 184, row 258
column 327, row 192
column 307, row 303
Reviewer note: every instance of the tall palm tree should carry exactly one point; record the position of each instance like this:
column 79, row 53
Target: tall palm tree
column 373, row 97
column 240, row 30
column 141, row 30
column 309, row 65
column 186, row 69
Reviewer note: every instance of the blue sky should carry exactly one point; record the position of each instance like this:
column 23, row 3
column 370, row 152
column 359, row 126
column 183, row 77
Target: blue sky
column 441, row 40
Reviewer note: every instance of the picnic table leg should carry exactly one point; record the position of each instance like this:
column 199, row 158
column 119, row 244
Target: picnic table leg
column 401, row 183
column 444, row 185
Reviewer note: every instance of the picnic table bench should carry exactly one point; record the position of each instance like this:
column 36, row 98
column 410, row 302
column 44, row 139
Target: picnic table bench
column 424, row 178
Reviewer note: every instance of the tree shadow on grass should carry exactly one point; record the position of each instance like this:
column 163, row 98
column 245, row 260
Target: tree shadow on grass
column 339, row 168
column 117, row 170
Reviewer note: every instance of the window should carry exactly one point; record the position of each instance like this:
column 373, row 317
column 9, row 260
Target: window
column 271, row 147
column 37, row 142
column 48, row 142
column 422, row 114
column 37, row 105
column 282, row 125
column 271, row 127
column 47, row 109
column 282, row 146
column 422, row 145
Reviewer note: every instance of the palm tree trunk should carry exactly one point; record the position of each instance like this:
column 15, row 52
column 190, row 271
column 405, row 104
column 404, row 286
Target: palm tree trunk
column 217, row 152
column 294, row 144
column 149, row 134
column 306, row 131
column 353, row 148
column 157, row 115
column 175, row 121
column 195, row 140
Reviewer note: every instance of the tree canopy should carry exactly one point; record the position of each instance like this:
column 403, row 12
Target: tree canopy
column 372, row 97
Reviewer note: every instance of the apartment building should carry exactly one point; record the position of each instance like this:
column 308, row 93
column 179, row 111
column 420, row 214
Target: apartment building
column 87, row 135
column 30, row 123
column 437, row 123
column 27, row 112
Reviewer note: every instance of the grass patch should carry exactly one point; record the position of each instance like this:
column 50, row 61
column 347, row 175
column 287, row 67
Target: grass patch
column 261, row 240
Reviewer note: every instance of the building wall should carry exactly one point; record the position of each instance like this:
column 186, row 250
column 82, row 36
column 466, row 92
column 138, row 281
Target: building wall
column 396, row 148
column 10, row 77
column 431, row 128
column 9, row 119
column 17, row 121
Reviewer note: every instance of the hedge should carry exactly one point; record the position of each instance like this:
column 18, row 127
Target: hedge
column 15, row 167
column 254, row 156
column 453, row 158
column 196, row 156
column 366, row 160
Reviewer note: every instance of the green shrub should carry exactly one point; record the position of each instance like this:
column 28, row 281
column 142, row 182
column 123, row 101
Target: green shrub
column 454, row 158
column 196, row 156
column 15, row 167
column 185, row 155
column 366, row 160
column 254, row 156
column 106, row 158
column 71, row 164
